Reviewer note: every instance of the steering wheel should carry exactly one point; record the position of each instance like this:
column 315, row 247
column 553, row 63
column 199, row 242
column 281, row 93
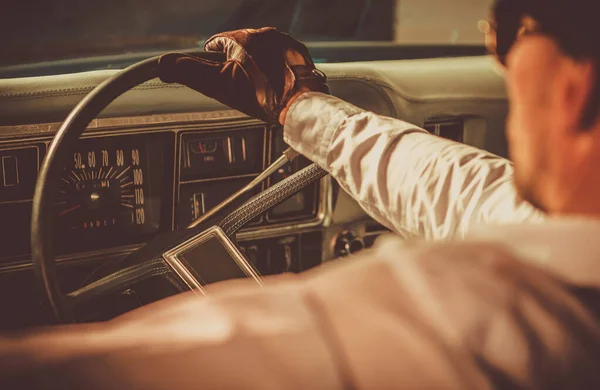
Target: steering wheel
column 150, row 260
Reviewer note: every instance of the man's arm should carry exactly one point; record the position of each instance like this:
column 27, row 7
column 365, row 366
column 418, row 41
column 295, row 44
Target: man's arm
column 404, row 177
column 452, row 316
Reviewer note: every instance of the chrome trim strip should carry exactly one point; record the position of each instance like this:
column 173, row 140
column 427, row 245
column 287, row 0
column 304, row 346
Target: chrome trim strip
column 229, row 151
column 122, row 250
column 174, row 182
column 147, row 120
column 17, row 201
column 22, row 263
column 223, row 178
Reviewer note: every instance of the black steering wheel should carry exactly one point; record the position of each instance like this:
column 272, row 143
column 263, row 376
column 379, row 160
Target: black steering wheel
column 149, row 260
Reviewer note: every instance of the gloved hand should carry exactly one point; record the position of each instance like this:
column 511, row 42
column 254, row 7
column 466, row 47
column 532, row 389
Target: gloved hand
column 263, row 70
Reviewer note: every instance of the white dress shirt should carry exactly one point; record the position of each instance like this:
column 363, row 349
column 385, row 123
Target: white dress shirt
column 511, row 306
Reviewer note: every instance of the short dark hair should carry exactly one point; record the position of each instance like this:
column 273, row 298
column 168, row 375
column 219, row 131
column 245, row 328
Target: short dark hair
column 572, row 24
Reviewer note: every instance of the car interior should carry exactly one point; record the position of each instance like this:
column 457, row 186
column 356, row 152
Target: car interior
column 161, row 155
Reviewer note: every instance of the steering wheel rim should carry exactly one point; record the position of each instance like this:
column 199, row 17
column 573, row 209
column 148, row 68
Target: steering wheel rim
column 89, row 107
column 51, row 169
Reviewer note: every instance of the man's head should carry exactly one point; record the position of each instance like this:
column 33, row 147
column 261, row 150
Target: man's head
column 551, row 55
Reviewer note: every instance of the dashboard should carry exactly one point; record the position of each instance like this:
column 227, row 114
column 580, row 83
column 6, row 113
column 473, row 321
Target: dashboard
column 121, row 186
column 161, row 155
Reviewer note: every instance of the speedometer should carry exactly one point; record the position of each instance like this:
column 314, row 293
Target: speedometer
column 102, row 189
column 112, row 192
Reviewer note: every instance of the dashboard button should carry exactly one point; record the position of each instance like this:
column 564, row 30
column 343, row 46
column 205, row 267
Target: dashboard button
column 19, row 172
column 10, row 171
column 198, row 204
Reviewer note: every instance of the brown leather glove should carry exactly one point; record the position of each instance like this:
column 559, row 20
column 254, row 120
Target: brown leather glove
column 262, row 70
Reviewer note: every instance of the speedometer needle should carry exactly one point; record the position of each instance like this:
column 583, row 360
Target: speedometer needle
column 69, row 210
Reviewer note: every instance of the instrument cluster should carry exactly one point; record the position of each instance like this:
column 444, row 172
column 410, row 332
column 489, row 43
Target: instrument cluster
column 121, row 188
column 111, row 192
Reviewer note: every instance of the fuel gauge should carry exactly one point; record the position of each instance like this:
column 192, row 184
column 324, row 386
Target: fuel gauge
column 213, row 153
column 208, row 146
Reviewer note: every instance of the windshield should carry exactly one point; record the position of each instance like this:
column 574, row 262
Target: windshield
column 38, row 31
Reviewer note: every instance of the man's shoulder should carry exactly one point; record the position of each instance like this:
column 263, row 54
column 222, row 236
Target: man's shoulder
column 475, row 289
column 458, row 282
column 493, row 274
column 491, row 311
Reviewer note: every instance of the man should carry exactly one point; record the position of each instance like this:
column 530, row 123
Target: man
column 516, row 307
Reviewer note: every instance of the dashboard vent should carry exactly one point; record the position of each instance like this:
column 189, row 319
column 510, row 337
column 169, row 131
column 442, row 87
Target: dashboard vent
column 450, row 129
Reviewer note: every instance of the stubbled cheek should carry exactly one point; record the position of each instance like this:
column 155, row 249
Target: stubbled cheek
column 515, row 82
column 518, row 140
column 511, row 136
column 514, row 117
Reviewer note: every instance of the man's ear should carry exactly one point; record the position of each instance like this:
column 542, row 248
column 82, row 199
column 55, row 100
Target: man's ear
column 578, row 79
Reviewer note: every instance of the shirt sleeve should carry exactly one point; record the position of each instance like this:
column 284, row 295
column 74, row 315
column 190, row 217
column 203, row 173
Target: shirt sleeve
column 406, row 178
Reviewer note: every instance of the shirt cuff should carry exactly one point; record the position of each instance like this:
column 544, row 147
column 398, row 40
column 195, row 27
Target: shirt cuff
column 311, row 122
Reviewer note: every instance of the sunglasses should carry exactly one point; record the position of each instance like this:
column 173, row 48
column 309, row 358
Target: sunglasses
column 503, row 31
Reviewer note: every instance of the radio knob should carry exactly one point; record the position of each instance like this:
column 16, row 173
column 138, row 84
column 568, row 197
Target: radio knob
column 347, row 243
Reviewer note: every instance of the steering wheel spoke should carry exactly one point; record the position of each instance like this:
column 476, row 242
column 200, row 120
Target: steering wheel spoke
column 117, row 281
